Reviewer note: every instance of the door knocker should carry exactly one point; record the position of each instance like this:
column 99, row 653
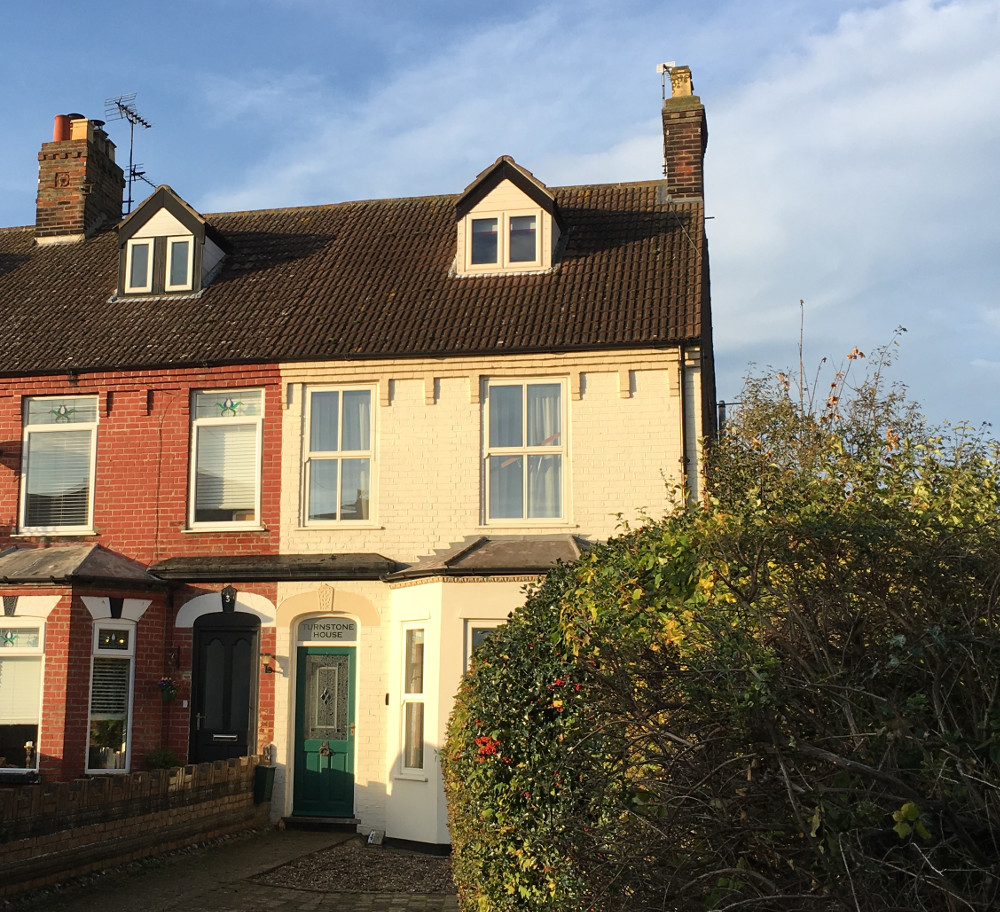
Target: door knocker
column 324, row 749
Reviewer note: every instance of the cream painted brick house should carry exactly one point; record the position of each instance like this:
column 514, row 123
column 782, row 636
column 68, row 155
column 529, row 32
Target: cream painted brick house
column 403, row 412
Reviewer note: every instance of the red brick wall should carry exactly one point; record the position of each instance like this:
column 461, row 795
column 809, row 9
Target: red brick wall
column 179, row 642
column 143, row 452
column 63, row 738
column 161, row 649
column 51, row 833
column 140, row 510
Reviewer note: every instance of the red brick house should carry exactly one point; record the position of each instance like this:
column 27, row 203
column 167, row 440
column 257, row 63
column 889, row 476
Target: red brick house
column 267, row 477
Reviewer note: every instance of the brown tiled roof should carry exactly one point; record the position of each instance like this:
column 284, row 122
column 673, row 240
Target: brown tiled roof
column 497, row 555
column 369, row 279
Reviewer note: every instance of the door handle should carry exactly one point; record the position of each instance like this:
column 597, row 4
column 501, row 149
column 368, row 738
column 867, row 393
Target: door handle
column 197, row 721
column 352, row 729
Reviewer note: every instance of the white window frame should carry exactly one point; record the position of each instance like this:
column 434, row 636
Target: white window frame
column 188, row 272
column 197, row 424
column 38, row 653
column 413, row 698
column 309, row 456
column 132, row 244
column 524, row 451
column 478, row 624
column 503, row 262
column 28, row 431
column 123, row 654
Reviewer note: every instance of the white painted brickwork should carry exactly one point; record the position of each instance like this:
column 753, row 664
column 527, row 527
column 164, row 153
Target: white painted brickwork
column 428, row 478
column 623, row 450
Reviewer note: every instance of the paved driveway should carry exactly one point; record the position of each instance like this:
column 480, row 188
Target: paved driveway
column 241, row 875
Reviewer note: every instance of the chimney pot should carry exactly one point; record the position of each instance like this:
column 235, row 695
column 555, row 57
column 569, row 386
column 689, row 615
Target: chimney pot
column 60, row 130
column 681, row 85
column 80, row 128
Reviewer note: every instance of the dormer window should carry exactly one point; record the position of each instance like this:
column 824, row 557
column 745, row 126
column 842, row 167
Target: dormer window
column 508, row 222
column 178, row 277
column 167, row 248
column 139, row 268
column 504, row 239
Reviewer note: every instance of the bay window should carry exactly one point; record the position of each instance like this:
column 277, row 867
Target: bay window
column 20, row 693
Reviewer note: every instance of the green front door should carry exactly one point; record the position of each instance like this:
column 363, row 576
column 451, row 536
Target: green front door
column 324, row 732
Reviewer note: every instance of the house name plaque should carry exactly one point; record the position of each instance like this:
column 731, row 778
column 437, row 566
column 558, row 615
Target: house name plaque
column 339, row 630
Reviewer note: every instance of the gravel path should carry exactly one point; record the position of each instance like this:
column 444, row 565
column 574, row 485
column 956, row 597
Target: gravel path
column 358, row 868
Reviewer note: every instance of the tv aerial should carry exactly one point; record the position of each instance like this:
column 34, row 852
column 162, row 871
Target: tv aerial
column 122, row 107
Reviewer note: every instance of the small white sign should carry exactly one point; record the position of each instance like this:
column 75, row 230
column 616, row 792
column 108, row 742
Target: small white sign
column 329, row 630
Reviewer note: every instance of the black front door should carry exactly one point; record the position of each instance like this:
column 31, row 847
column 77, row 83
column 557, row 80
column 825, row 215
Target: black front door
column 224, row 687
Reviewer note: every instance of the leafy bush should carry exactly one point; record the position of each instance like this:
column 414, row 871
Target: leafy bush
column 518, row 717
column 788, row 695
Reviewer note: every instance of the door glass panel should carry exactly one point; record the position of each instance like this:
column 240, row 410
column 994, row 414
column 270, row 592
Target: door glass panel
column 413, row 736
column 325, row 702
column 327, row 697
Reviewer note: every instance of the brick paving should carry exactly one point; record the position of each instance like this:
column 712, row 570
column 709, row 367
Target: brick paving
column 226, row 878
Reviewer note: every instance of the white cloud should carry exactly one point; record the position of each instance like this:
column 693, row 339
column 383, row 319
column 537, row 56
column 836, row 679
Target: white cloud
column 859, row 175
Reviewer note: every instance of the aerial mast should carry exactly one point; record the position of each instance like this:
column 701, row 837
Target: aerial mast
column 123, row 108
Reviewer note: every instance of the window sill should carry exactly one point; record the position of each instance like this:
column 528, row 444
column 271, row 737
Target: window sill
column 342, row 526
column 411, row 777
column 19, row 776
column 228, row 527
column 55, row 533
column 527, row 524
column 479, row 272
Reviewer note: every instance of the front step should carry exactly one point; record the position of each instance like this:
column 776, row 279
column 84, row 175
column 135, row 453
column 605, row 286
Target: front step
column 326, row 824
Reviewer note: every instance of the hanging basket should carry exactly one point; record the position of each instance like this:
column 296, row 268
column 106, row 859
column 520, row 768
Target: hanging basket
column 168, row 689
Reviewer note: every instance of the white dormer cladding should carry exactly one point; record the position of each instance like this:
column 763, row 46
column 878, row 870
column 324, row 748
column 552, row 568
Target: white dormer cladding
column 166, row 248
column 507, row 222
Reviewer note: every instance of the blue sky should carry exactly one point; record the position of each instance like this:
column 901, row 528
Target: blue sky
column 852, row 161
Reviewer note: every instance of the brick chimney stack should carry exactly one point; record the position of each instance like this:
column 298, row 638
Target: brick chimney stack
column 79, row 185
column 685, row 137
